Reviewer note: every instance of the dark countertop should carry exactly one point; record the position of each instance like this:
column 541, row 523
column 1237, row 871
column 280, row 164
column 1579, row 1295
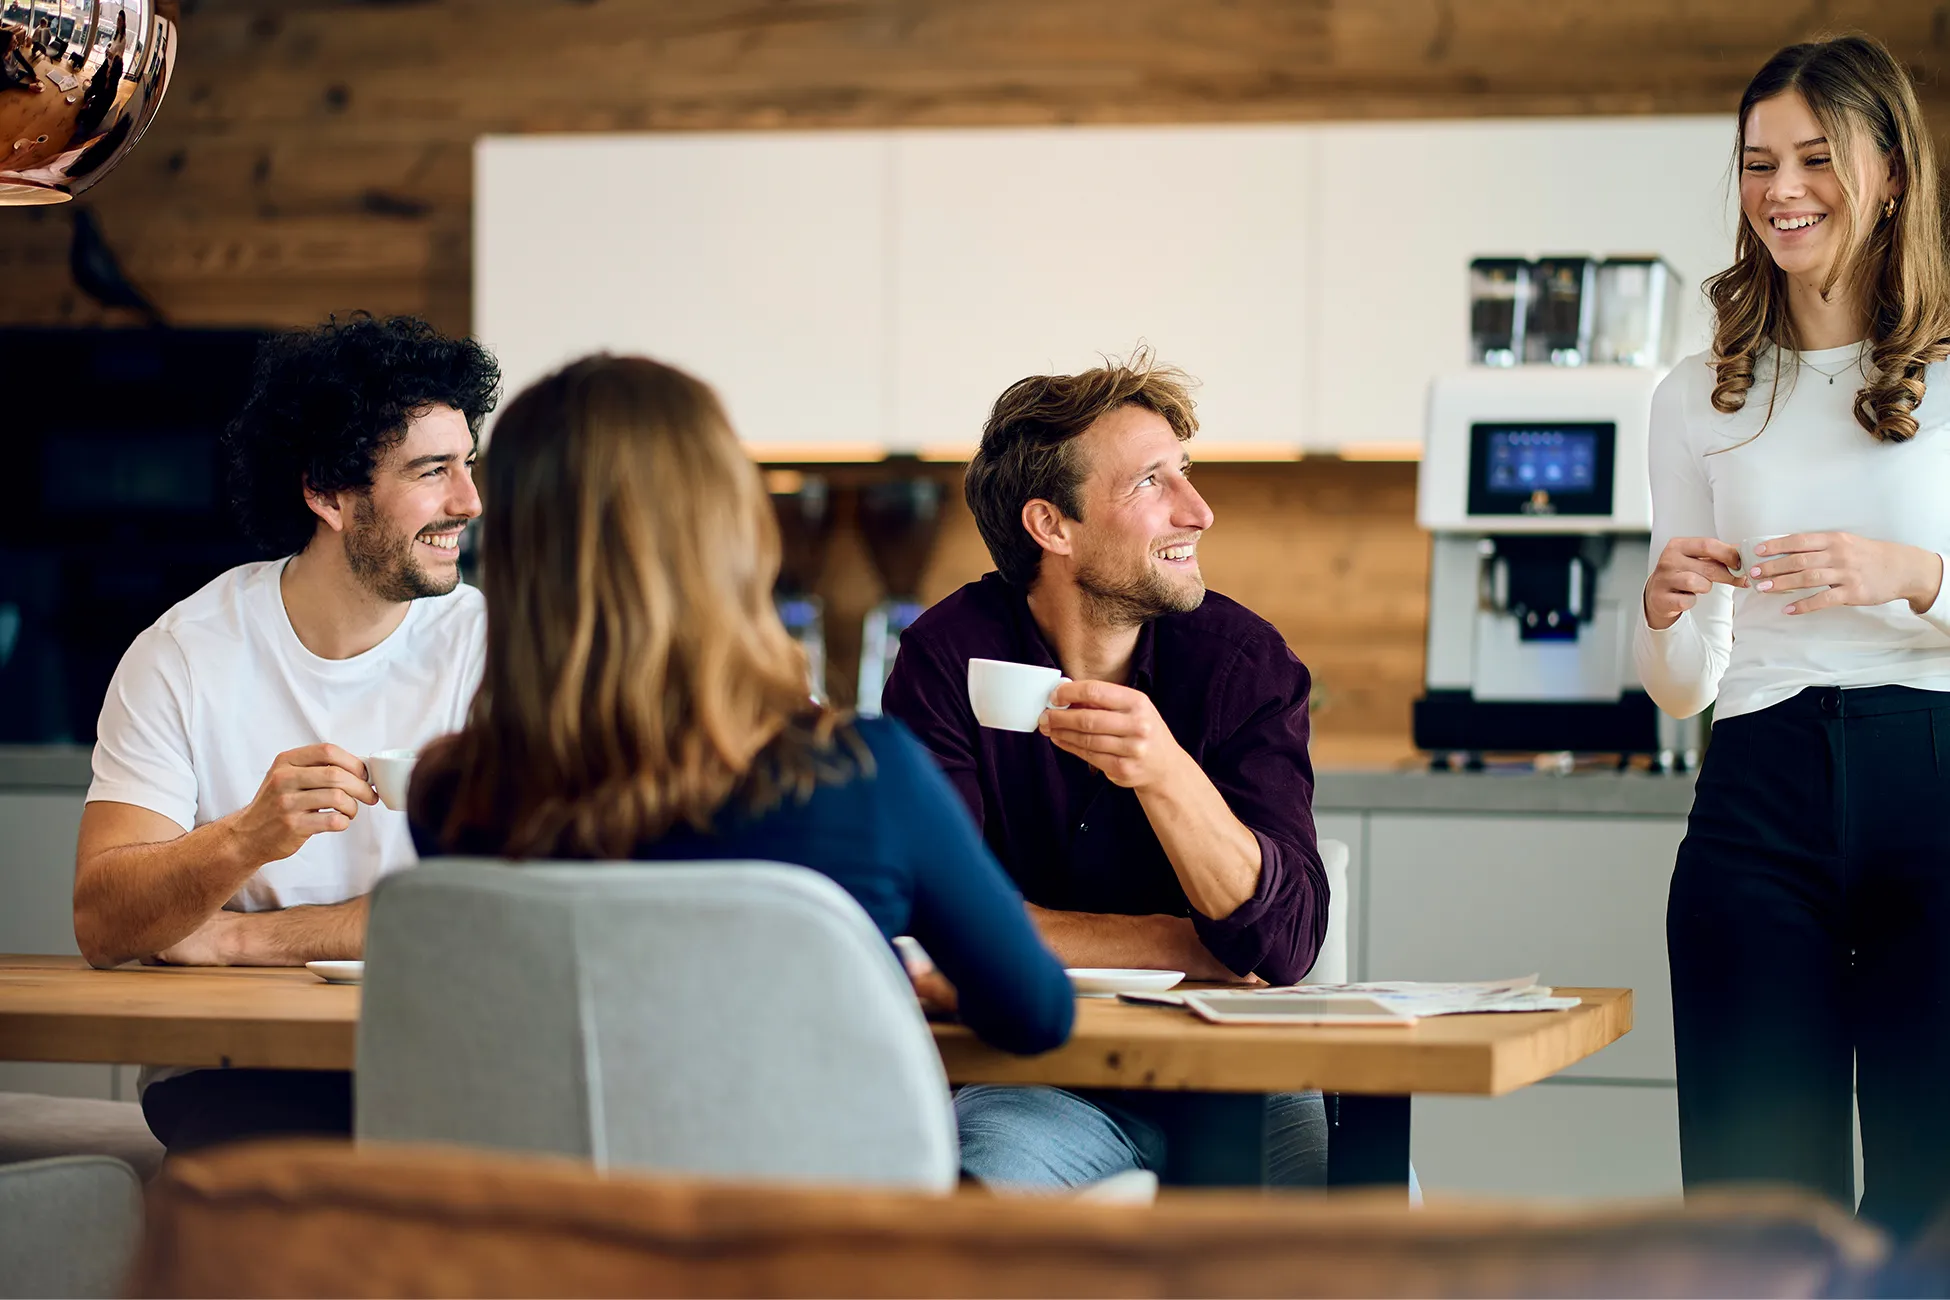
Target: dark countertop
column 1606, row 793
column 45, row 767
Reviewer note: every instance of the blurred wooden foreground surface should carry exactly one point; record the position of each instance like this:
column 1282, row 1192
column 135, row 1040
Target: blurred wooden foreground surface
column 57, row 1009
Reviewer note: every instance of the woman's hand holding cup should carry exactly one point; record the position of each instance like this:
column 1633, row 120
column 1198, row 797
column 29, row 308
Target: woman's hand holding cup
column 1854, row 570
column 1687, row 570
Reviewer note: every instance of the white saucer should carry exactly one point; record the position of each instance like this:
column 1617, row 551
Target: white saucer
column 338, row 972
column 1097, row 983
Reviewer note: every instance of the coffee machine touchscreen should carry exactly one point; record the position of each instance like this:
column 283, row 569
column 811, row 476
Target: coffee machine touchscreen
column 1541, row 469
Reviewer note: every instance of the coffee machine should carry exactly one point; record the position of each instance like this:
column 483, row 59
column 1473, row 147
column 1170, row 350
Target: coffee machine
column 1534, row 486
column 803, row 507
column 898, row 520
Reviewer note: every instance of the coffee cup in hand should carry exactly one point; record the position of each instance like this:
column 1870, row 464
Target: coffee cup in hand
column 391, row 772
column 1749, row 558
column 1010, row 696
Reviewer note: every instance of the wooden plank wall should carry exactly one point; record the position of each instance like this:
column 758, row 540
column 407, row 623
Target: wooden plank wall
column 315, row 156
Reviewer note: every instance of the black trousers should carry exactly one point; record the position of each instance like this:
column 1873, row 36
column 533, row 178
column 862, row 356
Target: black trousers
column 207, row 1108
column 1809, row 934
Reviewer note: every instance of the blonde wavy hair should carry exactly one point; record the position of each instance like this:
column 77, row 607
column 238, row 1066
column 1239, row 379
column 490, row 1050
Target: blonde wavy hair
column 1899, row 266
column 638, row 676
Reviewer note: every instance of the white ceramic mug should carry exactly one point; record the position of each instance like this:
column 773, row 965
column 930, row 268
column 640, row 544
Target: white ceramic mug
column 1010, row 696
column 391, row 772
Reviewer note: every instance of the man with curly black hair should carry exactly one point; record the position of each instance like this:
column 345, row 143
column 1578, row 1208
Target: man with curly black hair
column 232, row 820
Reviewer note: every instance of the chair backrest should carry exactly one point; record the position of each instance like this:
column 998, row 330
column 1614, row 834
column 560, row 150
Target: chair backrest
column 1330, row 966
column 736, row 1019
column 69, row 1226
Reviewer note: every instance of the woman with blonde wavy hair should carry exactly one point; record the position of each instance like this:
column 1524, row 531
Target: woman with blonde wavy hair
column 1810, row 902
column 641, row 698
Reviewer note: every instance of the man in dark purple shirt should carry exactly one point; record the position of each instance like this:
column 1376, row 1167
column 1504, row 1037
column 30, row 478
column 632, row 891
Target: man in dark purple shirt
column 1163, row 818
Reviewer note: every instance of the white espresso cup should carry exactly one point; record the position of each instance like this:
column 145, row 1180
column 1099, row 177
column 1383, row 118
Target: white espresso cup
column 1748, row 559
column 391, row 772
column 1010, row 696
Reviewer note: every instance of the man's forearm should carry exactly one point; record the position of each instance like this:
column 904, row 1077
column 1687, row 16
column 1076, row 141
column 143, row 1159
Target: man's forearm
column 1216, row 856
column 296, row 935
column 137, row 899
column 1127, row 942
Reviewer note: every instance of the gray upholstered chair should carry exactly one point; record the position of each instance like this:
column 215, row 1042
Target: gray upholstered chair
column 38, row 1127
column 739, row 1020
column 68, row 1226
column 1331, row 964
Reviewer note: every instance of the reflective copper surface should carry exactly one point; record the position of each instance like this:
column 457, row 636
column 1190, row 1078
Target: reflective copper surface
column 79, row 82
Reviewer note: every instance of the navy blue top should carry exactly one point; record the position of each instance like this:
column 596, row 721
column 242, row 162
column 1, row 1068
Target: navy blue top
column 1233, row 695
column 899, row 840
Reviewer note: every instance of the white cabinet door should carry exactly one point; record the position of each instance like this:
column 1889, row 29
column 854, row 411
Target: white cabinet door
column 37, row 844
column 37, row 841
column 1021, row 252
column 1578, row 900
column 1403, row 207
column 1552, row 1140
column 755, row 261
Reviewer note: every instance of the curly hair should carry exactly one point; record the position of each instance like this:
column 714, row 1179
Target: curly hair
column 1863, row 99
column 1026, row 452
column 326, row 403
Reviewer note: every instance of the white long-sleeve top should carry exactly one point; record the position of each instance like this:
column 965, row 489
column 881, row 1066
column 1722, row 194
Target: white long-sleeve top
column 1813, row 468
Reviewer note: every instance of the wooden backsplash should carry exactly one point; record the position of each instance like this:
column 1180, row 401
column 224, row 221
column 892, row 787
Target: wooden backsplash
column 1326, row 550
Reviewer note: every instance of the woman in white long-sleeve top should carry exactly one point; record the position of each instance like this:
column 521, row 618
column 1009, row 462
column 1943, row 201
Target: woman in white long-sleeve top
column 1809, row 920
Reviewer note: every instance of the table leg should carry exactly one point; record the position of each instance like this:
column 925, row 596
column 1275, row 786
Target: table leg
column 1367, row 1141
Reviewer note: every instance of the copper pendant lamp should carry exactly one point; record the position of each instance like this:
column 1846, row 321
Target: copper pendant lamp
column 80, row 81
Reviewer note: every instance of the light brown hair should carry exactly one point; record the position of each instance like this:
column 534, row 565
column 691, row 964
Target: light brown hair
column 1899, row 266
column 637, row 674
column 1028, row 447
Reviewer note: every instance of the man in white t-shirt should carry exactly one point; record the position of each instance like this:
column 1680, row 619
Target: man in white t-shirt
column 231, row 821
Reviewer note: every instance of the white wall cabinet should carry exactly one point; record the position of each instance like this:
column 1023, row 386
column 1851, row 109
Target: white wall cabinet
column 1025, row 252
column 1405, row 206
column 879, row 289
column 755, row 261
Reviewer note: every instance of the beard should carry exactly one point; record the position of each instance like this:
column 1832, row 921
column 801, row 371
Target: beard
column 384, row 562
column 1129, row 596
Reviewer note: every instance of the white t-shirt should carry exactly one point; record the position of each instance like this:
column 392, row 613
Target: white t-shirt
column 1813, row 469
column 211, row 693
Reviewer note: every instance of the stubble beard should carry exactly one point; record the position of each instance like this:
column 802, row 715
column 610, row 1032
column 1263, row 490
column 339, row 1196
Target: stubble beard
column 1138, row 596
column 384, row 562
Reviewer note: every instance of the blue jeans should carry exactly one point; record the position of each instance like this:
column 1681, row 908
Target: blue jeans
column 1051, row 1137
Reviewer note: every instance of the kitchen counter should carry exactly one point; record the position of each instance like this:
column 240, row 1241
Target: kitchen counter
column 45, row 767
column 1631, row 794
column 1604, row 793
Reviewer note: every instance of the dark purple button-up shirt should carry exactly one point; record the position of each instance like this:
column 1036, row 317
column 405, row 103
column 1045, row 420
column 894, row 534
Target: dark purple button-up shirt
column 1235, row 698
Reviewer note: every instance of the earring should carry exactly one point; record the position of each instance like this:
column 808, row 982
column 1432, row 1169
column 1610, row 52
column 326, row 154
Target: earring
column 1889, row 208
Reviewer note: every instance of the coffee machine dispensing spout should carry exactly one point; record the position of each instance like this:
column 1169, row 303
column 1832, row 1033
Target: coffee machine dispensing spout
column 80, row 80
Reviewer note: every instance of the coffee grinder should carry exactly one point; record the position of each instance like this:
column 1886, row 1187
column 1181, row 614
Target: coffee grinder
column 802, row 505
column 898, row 520
column 1534, row 486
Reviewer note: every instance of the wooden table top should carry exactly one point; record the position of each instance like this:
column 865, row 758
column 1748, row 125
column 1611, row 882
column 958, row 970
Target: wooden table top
column 57, row 1009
